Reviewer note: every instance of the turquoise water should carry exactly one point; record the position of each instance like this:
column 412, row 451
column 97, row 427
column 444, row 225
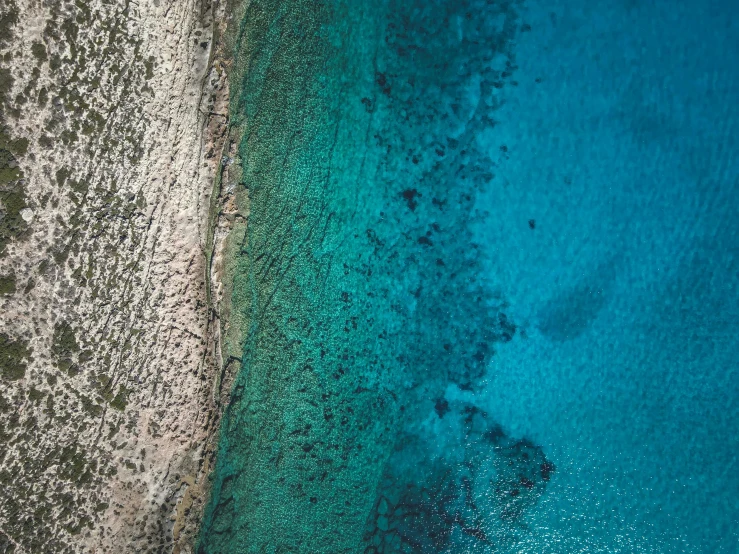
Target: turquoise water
column 626, row 156
column 488, row 289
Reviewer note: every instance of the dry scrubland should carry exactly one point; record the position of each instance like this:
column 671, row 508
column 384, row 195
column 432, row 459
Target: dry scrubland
column 112, row 124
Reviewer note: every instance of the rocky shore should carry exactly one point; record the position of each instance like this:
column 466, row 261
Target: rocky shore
column 113, row 124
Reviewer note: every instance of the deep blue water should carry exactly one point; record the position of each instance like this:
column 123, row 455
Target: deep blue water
column 626, row 155
column 488, row 286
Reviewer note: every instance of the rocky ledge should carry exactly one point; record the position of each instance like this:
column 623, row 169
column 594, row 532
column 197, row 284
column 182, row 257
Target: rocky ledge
column 113, row 119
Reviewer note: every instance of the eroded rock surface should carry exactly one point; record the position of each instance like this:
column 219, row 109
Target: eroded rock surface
column 112, row 122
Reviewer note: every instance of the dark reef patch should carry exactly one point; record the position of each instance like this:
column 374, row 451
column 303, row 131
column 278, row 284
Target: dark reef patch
column 463, row 488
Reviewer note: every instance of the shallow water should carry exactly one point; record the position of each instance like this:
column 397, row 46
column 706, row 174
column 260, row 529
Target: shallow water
column 488, row 288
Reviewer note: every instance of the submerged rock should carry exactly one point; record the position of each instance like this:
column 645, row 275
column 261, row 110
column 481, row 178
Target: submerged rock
column 456, row 488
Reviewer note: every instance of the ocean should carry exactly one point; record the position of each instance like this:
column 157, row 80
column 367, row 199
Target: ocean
column 488, row 289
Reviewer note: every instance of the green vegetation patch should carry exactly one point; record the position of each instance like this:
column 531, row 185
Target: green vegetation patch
column 64, row 348
column 12, row 224
column 149, row 65
column 90, row 406
column 8, row 20
column 12, row 196
column 5, row 544
column 39, row 52
column 6, row 84
column 7, row 284
column 19, row 147
column 73, row 465
column 61, row 176
column 56, row 62
column 9, row 170
column 4, row 405
column 14, row 355
column 121, row 399
column 43, row 97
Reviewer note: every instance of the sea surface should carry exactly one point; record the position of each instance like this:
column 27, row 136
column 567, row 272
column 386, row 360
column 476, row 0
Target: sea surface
column 489, row 284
